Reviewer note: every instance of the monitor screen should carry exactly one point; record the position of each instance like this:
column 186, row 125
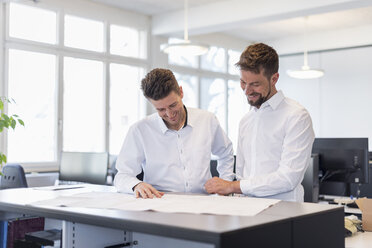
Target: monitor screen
column 89, row 167
column 342, row 159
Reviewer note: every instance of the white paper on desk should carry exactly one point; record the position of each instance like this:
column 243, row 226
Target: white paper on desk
column 220, row 205
column 60, row 187
column 170, row 203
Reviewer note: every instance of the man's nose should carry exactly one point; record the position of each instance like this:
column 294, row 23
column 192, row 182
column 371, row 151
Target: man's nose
column 168, row 112
column 247, row 90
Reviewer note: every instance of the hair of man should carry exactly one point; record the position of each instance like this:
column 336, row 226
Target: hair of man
column 257, row 57
column 159, row 83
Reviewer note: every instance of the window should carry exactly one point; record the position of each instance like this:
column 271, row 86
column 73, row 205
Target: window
column 83, row 106
column 189, row 86
column 213, row 98
column 237, row 107
column 214, row 60
column 73, row 83
column 32, row 83
column 126, row 102
column 126, row 41
column 23, row 20
column 234, row 57
column 83, row 33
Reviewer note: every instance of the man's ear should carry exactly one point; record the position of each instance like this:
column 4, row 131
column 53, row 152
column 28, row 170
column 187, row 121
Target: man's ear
column 274, row 79
column 181, row 92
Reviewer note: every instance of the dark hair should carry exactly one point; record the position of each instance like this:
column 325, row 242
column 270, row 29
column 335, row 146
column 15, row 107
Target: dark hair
column 159, row 83
column 259, row 56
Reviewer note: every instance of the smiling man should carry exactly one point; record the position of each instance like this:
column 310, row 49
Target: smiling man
column 172, row 147
column 275, row 136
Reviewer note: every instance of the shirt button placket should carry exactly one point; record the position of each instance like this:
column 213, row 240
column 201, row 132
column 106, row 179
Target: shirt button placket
column 254, row 143
column 182, row 160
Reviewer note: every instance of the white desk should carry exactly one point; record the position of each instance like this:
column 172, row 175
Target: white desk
column 359, row 240
column 286, row 224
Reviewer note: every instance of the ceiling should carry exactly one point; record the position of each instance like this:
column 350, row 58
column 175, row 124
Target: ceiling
column 154, row 7
column 328, row 23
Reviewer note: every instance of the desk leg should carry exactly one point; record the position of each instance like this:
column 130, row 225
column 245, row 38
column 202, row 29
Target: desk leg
column 76, row 235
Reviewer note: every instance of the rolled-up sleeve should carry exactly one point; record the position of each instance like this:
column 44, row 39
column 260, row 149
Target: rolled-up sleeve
column 129, row 162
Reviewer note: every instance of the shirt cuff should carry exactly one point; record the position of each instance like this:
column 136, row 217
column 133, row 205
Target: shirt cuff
column 245, row 187
column 127, row 186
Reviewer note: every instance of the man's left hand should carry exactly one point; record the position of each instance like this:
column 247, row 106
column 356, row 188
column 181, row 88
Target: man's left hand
column 219, row 186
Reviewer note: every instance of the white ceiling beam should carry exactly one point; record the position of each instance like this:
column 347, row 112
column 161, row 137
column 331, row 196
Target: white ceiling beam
column 351, row 37
column 228, row 15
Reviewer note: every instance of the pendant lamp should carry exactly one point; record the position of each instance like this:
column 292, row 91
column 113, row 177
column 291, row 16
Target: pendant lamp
column 305, row 72
column 185, row 47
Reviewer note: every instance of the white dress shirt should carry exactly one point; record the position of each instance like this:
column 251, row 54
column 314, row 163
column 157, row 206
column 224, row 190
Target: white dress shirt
column 175, row 161
column 274, row 149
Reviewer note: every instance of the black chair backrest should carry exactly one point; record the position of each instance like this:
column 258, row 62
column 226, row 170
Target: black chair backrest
column 13, row 177
column 213, row 167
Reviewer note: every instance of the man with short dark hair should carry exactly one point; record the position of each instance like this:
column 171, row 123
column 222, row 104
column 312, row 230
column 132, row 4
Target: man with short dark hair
column 172, row 147
column 275, row 136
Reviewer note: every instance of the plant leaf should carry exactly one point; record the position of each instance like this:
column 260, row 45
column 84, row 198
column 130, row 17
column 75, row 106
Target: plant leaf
column 6, row 118
column 3, row 158
column 21, row 122
column 13, row 124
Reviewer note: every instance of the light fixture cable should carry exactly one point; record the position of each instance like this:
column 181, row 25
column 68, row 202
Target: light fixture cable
column 185, row 21
column 186, row 47
column 306, row 72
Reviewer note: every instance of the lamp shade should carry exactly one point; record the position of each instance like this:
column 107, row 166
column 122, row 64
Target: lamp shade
column 185, row 47
column 305, row 73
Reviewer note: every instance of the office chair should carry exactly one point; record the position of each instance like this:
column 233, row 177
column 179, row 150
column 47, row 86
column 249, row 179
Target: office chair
column 112, row 168
column 83, row 167
column 213, row 167
column 13, row 177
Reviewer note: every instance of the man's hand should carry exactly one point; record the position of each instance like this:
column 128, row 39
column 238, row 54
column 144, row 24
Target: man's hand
column 145, row 190
column 222, row 187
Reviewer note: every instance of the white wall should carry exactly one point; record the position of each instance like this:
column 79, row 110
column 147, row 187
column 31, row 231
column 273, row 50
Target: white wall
column 340, row 103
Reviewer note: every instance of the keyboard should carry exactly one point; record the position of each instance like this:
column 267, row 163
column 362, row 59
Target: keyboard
column 63, row 182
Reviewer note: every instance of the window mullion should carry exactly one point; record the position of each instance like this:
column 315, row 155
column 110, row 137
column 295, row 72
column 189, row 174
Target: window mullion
column 60, row 58
column 106, row 73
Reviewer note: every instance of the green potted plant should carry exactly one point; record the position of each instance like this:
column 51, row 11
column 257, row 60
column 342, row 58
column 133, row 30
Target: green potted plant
column 7, row 122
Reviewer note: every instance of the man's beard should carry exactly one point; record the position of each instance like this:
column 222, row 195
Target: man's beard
column 258, row 102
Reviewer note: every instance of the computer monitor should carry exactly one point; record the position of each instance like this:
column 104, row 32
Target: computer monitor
column 310, row 182
column 88, row 167
column 342, row 160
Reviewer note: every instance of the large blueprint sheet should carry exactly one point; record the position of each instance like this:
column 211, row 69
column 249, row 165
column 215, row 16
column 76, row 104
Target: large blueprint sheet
column 169, row 203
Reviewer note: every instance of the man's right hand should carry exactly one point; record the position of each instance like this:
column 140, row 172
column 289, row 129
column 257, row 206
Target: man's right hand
column 145, row 190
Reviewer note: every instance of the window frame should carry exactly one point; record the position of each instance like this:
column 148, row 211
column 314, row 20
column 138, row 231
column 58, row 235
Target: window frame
column 88, row 10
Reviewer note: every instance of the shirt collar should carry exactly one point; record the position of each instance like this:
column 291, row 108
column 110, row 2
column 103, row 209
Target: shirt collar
column 164, row 128
column 273, row 102
column 276, row 99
